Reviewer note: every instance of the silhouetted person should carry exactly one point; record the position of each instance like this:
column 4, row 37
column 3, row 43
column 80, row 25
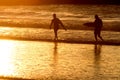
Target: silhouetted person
column 98, row 26
column 56, row 23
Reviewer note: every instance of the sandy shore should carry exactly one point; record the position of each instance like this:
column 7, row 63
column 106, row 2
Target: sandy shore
column 36, row 60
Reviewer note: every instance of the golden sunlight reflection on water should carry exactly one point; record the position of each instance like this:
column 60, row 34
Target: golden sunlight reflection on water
column 52, row 60
column 6, row 52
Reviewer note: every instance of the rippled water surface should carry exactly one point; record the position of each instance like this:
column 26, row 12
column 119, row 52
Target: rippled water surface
column 73, row 16
column 63, row 61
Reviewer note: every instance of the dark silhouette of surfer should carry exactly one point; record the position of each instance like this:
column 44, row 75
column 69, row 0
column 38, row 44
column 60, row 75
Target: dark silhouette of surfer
column 56, row 23
column 98, row 24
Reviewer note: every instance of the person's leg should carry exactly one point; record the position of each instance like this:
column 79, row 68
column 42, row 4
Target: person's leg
column 95, row 35
column 99, row 35
column 55, row 32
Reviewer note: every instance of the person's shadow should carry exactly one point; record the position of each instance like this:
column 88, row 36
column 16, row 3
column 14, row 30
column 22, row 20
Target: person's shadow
column 97, row 59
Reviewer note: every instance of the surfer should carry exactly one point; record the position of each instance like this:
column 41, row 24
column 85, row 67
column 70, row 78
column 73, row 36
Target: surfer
column 56, row 23
column 98, row 24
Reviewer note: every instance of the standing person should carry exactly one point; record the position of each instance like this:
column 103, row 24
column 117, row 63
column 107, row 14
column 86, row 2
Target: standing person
column 98, row 26
column 56, row 23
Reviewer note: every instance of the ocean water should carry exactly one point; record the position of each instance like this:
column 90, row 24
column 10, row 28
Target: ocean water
column 27, row 22
column 27, row 49
column 73, row 16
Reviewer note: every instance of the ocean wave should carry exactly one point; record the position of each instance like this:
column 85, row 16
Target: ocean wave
column 69, row 36
column 73, row 16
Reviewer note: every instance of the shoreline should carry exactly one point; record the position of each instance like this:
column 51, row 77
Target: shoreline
column 64, row 41
column 79, row 25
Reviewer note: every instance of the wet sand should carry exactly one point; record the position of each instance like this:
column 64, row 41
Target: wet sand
column 36, row 60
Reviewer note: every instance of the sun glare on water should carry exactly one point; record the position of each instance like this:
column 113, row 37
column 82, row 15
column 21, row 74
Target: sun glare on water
column 6, row 51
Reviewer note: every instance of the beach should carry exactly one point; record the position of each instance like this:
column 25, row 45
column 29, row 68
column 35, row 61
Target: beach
column 28, row 50
column 36, row 60
column 32, row 54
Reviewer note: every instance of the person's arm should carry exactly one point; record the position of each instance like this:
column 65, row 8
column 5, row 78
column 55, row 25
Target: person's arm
column 62, row 25
column 51, row 24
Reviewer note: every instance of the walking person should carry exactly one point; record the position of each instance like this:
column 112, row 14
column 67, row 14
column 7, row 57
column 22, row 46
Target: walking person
column 56, row 23
column 98, row 24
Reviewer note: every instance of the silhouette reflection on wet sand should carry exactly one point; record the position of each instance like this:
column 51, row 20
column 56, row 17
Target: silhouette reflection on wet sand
column 97, row 60
column 55, row 59
column 55, row 52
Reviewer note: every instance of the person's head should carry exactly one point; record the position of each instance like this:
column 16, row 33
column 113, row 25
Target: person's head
column 54, row 15
column 96, row 16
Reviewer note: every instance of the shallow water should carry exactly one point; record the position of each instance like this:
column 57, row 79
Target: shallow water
column 59, row 61
column 66, row 36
